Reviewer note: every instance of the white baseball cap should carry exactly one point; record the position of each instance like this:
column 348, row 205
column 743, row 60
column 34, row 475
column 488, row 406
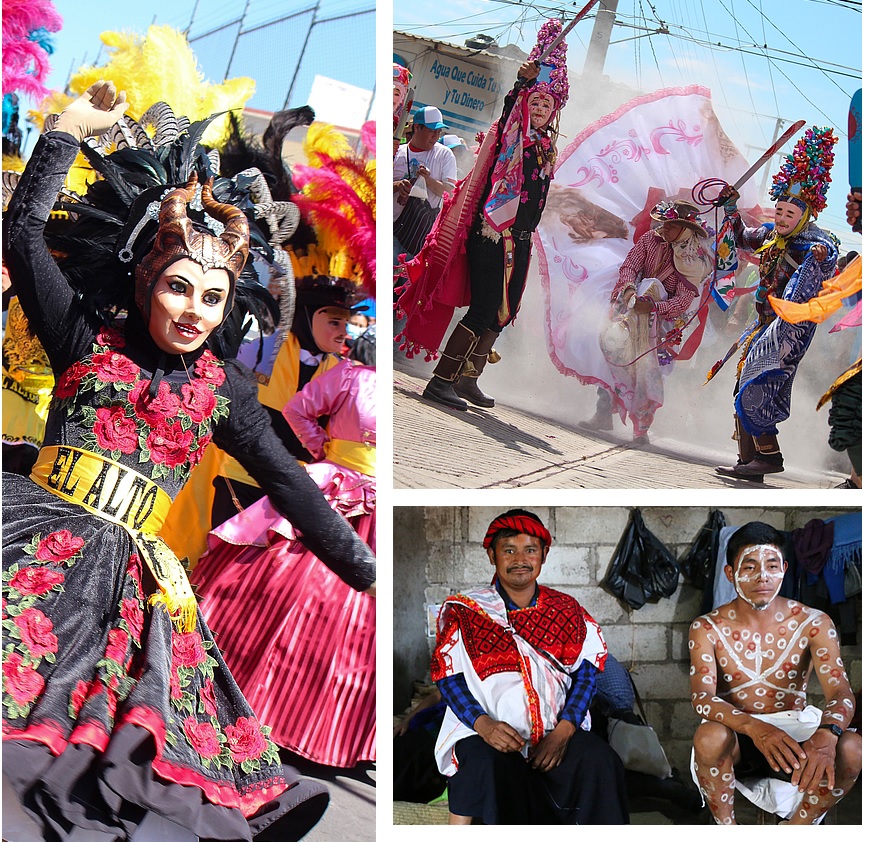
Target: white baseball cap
column 430, row 117
column 451, row 141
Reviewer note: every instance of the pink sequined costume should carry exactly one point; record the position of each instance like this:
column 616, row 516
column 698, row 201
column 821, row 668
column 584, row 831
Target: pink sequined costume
column 308, row 665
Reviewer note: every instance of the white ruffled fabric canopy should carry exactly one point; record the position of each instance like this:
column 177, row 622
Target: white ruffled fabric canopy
column 654, row 147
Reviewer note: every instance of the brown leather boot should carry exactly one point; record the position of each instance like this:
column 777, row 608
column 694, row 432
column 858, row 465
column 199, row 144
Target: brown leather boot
column 769, row 458
column 466, row 386
column 766, row 458
column 747, row 453
column 457, row 350
column 603, row 417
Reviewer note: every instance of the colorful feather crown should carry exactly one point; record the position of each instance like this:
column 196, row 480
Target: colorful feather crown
column 557, row 86
column 806, row 172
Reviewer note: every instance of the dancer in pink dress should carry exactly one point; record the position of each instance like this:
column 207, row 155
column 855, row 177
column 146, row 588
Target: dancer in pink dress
column 300, row 642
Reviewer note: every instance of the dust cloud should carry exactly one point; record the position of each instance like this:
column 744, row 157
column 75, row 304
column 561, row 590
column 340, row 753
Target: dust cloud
column 696, row 418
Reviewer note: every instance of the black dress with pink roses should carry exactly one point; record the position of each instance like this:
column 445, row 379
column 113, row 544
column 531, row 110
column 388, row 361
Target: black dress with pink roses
column 108, row 711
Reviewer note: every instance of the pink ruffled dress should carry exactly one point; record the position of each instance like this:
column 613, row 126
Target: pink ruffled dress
column 299, row 641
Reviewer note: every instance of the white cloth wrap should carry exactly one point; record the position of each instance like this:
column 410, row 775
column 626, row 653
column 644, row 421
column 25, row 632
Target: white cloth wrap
column 503, row 695
column 771, row 794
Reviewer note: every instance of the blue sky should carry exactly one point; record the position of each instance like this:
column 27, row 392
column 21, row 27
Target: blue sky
column 748, row 91
column 269, row 58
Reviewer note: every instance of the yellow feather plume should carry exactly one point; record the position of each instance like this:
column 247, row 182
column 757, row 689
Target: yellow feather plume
column 14, row 163
column 324, row 139
column 158, row 66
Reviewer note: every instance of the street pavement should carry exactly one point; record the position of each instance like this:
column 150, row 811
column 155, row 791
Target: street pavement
column 351, row 814
column 507, row 447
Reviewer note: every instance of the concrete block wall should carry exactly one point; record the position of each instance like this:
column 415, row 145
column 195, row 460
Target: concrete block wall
column 652, row 640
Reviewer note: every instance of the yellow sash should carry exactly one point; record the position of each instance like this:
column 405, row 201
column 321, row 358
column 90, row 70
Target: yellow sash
column 25, row 407
column 359, row 456
column 120, row 495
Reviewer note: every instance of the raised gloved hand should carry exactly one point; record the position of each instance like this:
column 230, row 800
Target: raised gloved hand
column 93, row 112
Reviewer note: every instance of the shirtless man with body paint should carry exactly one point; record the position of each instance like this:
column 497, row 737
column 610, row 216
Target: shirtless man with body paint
column 752, row 658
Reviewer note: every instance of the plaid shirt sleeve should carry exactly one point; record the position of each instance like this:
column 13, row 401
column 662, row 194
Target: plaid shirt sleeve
column 748, row 238
column 634, row 266
column 458, row 697
column 678, row 301
column 580, row 695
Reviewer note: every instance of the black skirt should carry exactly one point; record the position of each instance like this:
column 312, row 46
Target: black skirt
column 108, row 710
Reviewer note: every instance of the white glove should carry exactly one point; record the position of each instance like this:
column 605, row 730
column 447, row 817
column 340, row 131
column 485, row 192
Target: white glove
column 93, row 112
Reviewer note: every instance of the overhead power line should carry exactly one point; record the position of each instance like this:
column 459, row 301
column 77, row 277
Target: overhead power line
column 536, row 11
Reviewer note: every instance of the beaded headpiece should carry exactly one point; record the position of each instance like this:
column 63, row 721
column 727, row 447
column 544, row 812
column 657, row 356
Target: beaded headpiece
column 557, row 86
column 806, row 173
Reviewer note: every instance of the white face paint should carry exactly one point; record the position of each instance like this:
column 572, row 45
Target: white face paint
column 758, row 574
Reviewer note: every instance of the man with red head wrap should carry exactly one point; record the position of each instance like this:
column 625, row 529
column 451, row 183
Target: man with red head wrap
column 516, row 664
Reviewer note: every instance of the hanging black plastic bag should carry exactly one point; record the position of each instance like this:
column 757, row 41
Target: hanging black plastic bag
column 642, row 567
column 700, row 559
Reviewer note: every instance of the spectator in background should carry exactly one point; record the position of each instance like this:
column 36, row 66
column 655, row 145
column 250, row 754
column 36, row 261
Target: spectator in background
column 465, row 159
column 422, row 156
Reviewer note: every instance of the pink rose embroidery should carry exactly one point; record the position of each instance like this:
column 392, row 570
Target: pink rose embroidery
column 175, row 690
column 207, row 694
column 187, row 649
column 69, row 382
column 114, row 367
column 110, row 337
column 36, row 581
column 22, row 682
column 196, row 456
column 78, row 697
column 169, row 445
column 117, row 645
column 198, row 401
column 36, row 632
column 133, row 615
column 115, row 431
column 111, row 705
column 209, row 369
column 165, row 405
column 245, row 739
column 202, row 736
column 133, row 569
column 59, row 546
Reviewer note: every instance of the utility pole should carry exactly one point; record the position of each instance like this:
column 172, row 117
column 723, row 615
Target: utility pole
column 600, row 40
